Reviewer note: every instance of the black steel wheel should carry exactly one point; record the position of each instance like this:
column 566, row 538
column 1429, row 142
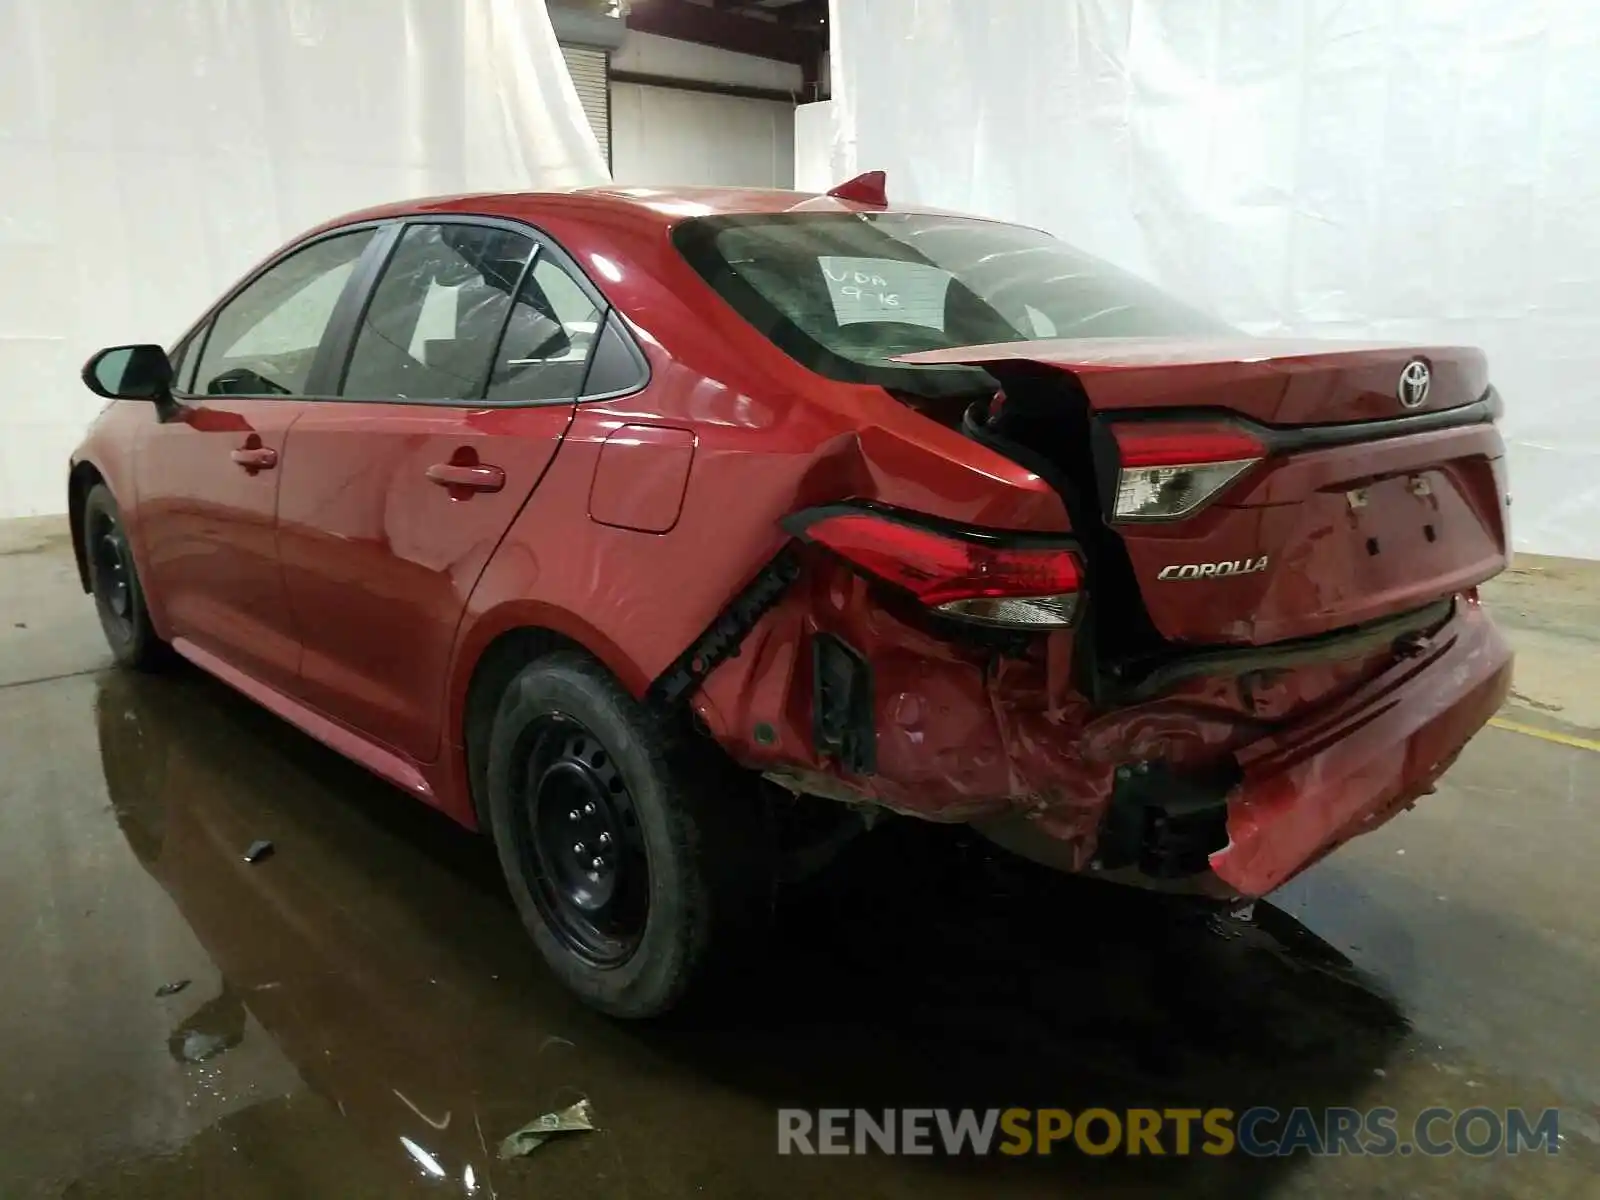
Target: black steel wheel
column 579, row 838
column 113, row 571
column 634, row 854
column 114, row 582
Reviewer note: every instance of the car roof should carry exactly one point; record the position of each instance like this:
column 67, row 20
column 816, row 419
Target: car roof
column 658, row 206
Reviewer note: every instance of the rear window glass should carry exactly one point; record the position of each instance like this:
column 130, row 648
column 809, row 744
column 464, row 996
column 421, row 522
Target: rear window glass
column 885, row 290
column 846, row 292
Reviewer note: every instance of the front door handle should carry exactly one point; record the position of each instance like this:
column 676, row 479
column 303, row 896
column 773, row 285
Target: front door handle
column 463, row 477
column 255, row 458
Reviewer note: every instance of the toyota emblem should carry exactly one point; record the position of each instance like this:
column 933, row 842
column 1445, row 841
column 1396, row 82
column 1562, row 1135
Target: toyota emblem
column 1412, row 391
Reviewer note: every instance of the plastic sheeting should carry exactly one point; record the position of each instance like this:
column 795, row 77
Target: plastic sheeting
column 1407, row 170
column 150, row 154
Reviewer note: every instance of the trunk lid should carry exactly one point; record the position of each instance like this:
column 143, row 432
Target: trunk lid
column 1276, row 381
column 1369, row 497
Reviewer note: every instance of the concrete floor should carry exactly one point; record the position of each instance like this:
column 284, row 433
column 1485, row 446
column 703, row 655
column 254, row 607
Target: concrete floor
column 371, row 982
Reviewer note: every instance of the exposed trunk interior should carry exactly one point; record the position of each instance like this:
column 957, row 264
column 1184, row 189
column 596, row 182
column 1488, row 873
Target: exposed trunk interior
column 1044, row 425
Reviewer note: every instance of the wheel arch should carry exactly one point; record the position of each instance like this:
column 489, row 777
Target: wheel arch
column 494, row 653
column 80, row 481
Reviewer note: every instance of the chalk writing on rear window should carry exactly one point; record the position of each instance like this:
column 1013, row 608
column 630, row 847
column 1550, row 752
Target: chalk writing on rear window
column 885, row 289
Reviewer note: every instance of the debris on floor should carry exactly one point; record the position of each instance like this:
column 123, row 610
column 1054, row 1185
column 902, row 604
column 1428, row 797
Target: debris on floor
column 215, row 1026
column 540, row 1130
column 171, row 989
column 259, row 850
column 196, row 1045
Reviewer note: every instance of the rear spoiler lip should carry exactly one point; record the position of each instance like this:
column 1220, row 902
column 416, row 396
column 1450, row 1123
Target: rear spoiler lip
column 1292, row 439
column 1094, row 355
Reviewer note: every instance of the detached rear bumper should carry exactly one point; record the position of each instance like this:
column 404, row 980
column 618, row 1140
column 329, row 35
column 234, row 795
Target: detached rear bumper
column 1309, row 789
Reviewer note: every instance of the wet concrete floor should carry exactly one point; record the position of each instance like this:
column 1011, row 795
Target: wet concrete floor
column 370, row 981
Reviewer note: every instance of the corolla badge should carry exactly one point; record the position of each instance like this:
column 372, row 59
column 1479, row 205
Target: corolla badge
column 1214, row 570
column 1415, row 379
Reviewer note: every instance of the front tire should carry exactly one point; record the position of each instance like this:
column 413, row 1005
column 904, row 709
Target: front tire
column 629, row 861
column 114, row 582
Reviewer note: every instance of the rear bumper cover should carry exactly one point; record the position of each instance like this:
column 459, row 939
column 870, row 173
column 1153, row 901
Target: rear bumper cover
column 1311, row 788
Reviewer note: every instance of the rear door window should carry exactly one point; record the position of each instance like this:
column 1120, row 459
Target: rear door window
column 430, row 329
column 553, row 328
column 616, row 367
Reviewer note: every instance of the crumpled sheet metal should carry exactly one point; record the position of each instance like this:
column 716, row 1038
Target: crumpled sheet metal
column 1362, row 761
column 964, row 734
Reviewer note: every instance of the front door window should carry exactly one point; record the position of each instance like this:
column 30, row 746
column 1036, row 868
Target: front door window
column 265, row 340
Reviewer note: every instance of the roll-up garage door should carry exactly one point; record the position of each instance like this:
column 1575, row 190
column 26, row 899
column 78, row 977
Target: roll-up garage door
column 588, row 67
column 676, row 135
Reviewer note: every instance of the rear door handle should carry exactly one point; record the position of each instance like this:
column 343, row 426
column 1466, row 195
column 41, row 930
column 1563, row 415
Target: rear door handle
column 256, row 458
column 480, row 477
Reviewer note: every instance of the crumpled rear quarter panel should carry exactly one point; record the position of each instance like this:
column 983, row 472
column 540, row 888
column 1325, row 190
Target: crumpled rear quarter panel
column 966, row 734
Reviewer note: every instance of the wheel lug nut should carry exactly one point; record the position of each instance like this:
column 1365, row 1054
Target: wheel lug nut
column 588, row 809
column 580, row 848
column 605, row 839
column 573, row 815
column 597, row 863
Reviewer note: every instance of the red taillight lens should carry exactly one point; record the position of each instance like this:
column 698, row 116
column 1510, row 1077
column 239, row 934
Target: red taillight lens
column 1170, row 469
column 968, row 574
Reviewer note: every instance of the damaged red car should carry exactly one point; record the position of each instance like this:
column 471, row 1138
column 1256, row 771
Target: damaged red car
column 669, row 535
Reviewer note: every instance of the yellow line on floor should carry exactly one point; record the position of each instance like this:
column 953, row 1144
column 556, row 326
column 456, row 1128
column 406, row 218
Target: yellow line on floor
column 1546, row 735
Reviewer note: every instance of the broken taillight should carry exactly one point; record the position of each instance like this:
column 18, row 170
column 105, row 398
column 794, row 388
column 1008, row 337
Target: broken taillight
column 1169, row 469
column 1016, row 580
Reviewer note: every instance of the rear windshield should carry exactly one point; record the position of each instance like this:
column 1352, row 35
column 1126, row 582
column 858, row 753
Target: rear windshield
column 846, row 292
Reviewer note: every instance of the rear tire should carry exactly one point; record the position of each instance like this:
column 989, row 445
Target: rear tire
column 634, row 856
column 114, row 582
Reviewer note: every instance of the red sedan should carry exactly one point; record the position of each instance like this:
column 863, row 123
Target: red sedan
column 670, row 536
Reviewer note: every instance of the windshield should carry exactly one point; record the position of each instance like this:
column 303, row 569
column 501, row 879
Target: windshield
column 846, row 292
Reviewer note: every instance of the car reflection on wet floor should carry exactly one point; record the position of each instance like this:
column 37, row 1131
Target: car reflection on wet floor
column 367, row 993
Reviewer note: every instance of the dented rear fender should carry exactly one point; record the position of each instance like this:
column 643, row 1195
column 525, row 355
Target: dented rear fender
column 963, row 730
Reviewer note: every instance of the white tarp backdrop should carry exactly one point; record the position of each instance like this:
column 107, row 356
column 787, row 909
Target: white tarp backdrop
column 1411, row 170
column 150, row 154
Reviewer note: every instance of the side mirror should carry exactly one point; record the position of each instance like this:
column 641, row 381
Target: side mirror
column 129, row 373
